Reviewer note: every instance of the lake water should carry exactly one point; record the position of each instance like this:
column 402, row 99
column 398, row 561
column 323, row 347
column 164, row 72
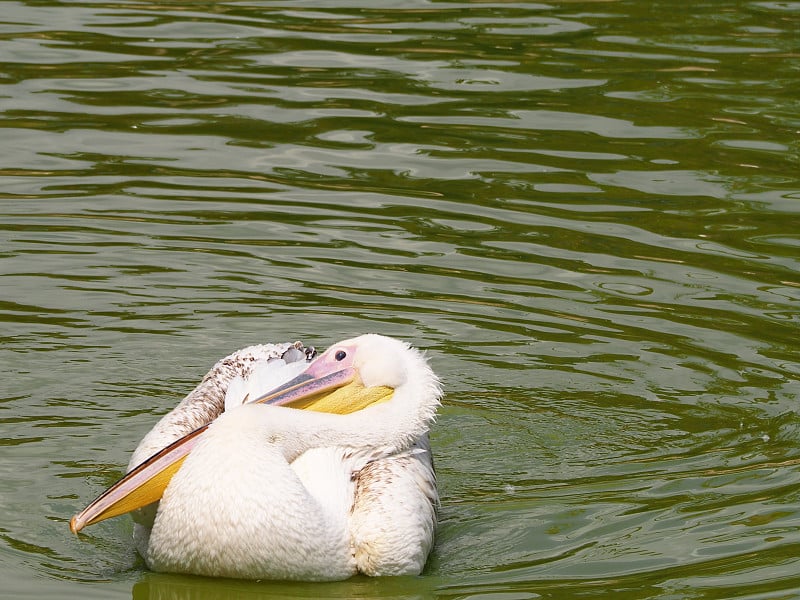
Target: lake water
column 587, row 213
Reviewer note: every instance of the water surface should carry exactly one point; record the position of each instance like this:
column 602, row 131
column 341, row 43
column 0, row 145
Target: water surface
column 585, row 212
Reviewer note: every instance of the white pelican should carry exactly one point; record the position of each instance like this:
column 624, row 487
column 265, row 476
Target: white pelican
column 264, row 491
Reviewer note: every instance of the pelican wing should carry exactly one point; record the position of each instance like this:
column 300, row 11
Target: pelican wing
column 265, row 375
column 393, row 518
column 207, row 401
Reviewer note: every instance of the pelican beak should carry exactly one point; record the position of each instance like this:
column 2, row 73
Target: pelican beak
column 321, row 387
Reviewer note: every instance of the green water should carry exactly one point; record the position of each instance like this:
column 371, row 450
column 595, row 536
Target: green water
column 588, row 214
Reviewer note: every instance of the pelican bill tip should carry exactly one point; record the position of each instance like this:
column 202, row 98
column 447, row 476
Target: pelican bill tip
column 74, row 525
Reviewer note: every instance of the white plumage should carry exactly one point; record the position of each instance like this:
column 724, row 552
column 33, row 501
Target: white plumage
column 280, row 493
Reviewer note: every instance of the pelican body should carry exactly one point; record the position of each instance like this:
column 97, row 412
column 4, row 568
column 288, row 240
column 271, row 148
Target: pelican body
column 278, row 466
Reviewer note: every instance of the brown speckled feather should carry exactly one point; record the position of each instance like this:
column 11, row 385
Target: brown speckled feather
column 206, row 402
column 397, row 488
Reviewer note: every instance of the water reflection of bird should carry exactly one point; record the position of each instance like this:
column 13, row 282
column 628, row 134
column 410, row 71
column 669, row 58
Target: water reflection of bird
column 264, row 490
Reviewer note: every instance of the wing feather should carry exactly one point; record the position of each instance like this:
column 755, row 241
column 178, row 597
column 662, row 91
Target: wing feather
column 393, row 518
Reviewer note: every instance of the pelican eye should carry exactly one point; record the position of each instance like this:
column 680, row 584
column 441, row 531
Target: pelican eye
column 340, row 355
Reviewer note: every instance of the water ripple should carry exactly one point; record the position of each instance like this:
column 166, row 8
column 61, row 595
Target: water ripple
column 584, row 212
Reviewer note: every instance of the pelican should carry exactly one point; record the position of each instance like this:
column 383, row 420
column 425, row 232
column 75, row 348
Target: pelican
column 238, row 482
